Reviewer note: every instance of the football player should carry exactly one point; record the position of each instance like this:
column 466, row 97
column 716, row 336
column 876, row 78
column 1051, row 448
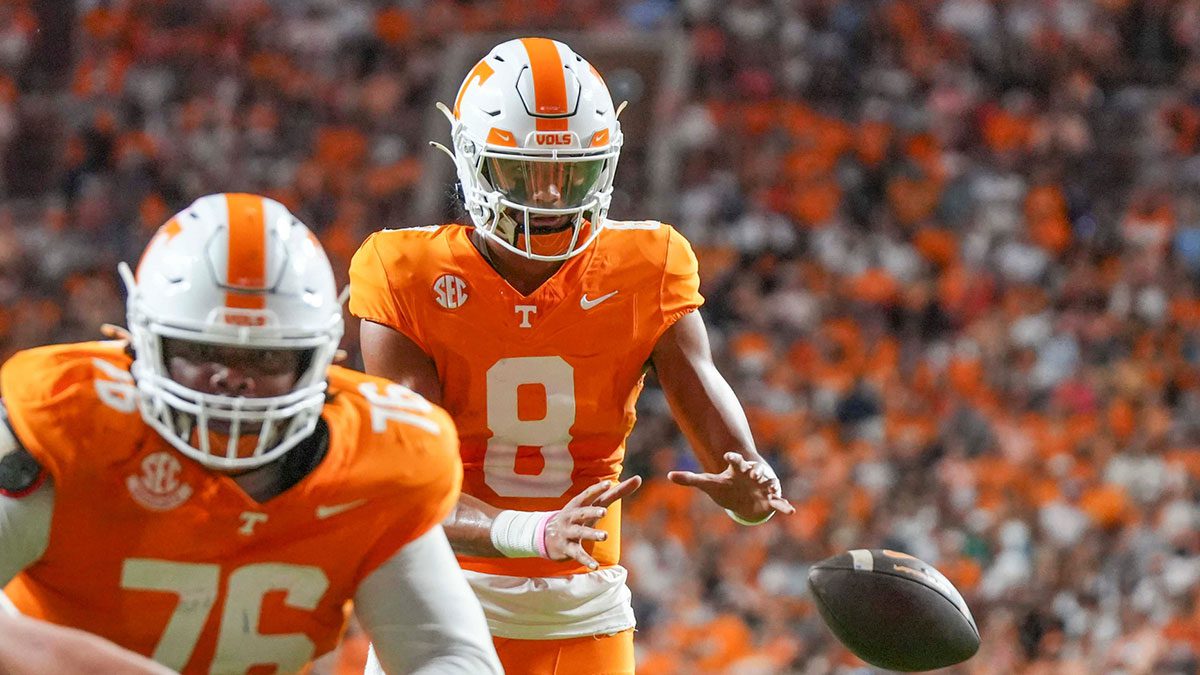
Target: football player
column 212, row 492
column 534, row 328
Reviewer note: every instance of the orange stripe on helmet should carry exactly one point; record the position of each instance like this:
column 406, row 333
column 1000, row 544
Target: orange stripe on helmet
column 552, row 124
column 549, row 83
column 247, row 251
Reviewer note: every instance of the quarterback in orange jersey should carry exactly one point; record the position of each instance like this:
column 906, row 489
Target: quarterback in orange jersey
column 534, row 328
column 211, row 492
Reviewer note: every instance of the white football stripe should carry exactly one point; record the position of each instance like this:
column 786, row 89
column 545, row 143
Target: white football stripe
column 863, row 560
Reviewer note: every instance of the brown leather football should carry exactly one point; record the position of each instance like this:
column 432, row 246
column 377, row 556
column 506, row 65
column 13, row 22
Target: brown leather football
column 893, row 610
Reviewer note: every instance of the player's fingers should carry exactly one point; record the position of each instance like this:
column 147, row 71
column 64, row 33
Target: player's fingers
column 586, row 514
column 781, row 505
column 691, row 479
column 619, row 491
column 584, row 533
column 587, row 496
column 576, row 552
column 114, row 332
column 738, row 462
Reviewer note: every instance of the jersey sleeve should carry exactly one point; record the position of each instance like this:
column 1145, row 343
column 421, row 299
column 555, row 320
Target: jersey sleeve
column 376, row 290
column 426, row 493
column 680, row 291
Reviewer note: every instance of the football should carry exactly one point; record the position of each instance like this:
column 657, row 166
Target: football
column 893, row 610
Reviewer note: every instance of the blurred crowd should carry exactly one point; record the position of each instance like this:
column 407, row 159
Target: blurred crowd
column 951, row 252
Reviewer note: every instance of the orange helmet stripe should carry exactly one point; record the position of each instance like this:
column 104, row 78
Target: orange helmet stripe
column 549, row 83
column 247, row 250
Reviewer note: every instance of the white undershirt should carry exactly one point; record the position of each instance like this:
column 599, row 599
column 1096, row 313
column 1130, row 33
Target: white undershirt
column 417, row 607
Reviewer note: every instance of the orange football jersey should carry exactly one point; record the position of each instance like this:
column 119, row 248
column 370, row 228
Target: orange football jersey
column 541, row 387
column 160, row 555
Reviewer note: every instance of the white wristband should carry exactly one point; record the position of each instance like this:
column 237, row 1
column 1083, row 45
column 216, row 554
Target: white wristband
column 517, row 534
column 742, row 521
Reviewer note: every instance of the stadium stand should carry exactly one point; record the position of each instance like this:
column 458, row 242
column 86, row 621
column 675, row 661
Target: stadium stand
column 951, row 251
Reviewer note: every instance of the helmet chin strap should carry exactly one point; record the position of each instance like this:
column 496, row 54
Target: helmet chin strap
column 507, row 227
column 510, row 230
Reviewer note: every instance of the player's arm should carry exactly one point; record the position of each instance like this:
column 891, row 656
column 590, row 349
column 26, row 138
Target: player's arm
column 24, row 529
column 26, row 505
column 393, row 355
column 713, row 421
column 32, row 647
column 421, row 615
column 474, row 527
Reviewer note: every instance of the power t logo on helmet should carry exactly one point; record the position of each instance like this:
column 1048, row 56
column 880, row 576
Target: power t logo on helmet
column 535, row 143
column 233, row 271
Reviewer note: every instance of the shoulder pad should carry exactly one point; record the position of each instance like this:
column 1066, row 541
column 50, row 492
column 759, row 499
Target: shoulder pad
column 42, row 374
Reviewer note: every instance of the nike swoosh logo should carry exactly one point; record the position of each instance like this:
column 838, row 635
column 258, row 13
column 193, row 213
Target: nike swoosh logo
column 588, row 304
column 324, row 512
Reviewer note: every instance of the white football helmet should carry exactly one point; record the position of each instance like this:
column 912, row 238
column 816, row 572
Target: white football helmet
column 236, row 270
column 535, row 138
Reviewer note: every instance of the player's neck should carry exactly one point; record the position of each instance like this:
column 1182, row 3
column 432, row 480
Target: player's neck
column 270, row 481
column 523, row 274
column 261, row 484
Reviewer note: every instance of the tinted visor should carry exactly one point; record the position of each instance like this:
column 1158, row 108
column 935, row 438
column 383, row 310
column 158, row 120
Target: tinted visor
column 546, row 185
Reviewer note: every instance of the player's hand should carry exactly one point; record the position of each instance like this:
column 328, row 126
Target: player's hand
column 748, row 488
column 572, row 526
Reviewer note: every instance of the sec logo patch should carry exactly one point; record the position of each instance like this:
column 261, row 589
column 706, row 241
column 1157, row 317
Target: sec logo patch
column 158, row 487
column 450, row 291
